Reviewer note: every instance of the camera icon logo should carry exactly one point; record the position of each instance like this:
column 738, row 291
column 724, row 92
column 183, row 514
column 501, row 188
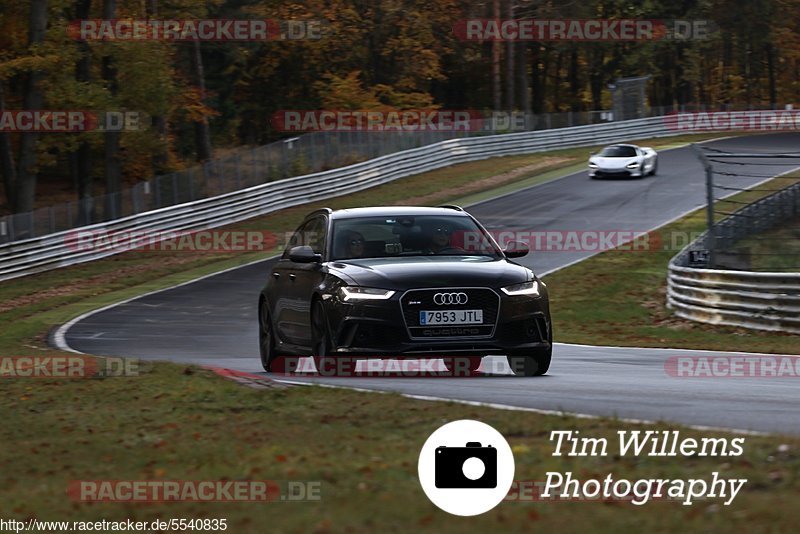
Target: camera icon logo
column 472, row 466
column 466, row 467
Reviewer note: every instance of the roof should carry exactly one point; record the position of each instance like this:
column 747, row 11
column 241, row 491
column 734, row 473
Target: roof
column 380, row 211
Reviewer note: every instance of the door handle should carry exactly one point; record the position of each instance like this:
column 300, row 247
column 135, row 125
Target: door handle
column 276, row 275
column 292, row 276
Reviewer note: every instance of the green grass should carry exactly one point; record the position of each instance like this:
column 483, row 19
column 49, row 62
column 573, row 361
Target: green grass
column 776, row 250
column 179, row 423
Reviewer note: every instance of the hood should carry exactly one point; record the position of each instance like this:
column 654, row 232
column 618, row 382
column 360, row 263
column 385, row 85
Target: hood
column 430, row 271
column 613, row 163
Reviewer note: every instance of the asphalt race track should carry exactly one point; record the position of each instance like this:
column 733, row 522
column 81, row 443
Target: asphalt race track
column 213, row 321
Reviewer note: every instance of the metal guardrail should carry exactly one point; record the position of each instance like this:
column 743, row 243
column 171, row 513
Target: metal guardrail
column 302, row 154
column 56, row 250
column 756, row 300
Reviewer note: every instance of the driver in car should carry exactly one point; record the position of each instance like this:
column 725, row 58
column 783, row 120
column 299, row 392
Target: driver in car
column 354, row 243
column 439, row 236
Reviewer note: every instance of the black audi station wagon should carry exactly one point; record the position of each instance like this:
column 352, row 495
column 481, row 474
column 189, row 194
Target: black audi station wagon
column 403, row 282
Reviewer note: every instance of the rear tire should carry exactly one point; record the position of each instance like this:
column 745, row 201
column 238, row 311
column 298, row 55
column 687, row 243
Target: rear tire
column 534, row 363
column 270, row 359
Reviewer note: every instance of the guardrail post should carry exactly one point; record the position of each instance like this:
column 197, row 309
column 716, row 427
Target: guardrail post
column 191, row 184
column 174, row 189
column 712, row 234
column 711, row 237
column 136, row 198
column 285, row 161
column 238, row 172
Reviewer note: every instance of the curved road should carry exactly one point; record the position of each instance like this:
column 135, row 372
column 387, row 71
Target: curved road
column 212, row 321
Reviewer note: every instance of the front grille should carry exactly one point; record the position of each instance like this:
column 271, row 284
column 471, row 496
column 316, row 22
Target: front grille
column 614, row 173
column 415, row 300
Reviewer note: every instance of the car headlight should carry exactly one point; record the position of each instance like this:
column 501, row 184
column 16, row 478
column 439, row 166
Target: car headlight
column 592, row 165
column 365, row 293
column 525, row 288
column 634, row 165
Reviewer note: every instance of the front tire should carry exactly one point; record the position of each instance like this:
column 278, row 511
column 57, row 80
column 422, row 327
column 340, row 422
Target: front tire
column 324, row 361
column 655, row 168
column 534, row 363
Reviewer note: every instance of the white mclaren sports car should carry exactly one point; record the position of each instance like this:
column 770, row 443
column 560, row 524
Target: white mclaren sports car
column 623, row 161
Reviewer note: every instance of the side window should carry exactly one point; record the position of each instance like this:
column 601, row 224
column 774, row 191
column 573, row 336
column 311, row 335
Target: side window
column 311, row 233
column 314, row 234
column 296, row 240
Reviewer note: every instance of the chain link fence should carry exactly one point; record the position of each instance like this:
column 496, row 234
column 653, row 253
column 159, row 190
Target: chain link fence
column 296, row 156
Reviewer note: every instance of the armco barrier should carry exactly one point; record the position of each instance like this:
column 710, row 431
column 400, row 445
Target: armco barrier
column 761, row 301
column 757, row 300
column 30, row 256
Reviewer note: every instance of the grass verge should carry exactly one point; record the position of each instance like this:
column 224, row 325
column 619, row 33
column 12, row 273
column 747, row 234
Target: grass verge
column 776, row 250
column 179, row 423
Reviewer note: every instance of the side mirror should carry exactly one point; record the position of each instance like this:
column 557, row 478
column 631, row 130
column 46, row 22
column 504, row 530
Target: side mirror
column 516, row 249
column 304, row 254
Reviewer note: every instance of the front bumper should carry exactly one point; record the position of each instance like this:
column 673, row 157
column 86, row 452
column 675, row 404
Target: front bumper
column 381, row 329
column 615, row 173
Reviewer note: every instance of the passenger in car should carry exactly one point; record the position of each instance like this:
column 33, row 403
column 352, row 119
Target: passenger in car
column 353, row 244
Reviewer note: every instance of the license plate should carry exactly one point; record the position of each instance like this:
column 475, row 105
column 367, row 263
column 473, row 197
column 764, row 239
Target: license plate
column 440, row 317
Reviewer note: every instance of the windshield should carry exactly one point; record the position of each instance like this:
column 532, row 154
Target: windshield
column 413, row 235
column 618, row 152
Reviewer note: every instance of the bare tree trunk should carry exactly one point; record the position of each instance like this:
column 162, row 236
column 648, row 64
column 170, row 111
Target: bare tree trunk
column 113, row 171
column 510, row 62
column 773, row 93
column 557, row 82
column 496, row 88
column 83, row 156
column 575, row 103
column 7, row 165
column 202, row 131
column 159, row 159
column 522, row 70
column 537, row 85
column 596, row 80
column 27, row 172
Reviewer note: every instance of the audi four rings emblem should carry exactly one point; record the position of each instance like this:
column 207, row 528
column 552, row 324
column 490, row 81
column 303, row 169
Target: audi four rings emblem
column 443, row 299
